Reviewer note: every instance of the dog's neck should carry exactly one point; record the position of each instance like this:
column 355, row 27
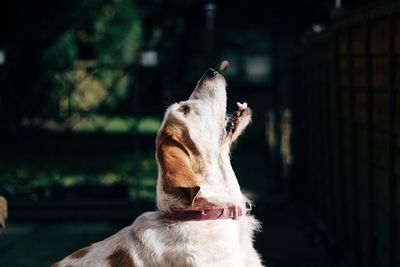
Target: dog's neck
column 218, row 186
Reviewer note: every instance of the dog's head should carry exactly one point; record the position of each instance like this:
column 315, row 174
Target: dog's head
column 192, row 147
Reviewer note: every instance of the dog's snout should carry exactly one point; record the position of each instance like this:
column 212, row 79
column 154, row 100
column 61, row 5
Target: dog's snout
column 210, row 73
column 211, row 86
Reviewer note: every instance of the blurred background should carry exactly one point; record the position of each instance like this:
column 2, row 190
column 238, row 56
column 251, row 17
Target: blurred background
column 83, row 88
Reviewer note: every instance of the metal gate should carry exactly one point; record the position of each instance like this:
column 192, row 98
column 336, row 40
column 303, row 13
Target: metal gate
column 352, row 115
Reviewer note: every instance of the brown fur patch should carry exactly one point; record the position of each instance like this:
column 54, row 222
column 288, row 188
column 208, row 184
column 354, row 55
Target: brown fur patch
column 176, row 130
column 119, row 258
column 175, row 164
column 80, row 253
column 55, row 265
column 178, row 156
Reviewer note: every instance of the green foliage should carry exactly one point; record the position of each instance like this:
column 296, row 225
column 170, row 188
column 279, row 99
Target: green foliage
column 89, row 69
column 63, row 53
column 90, row 65
column 94, row 123
column 117, row 33
column 148, row 125
column 33, row 171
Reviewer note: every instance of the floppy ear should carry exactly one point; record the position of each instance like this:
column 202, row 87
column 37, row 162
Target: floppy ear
column 175, row 164
column 174, row 158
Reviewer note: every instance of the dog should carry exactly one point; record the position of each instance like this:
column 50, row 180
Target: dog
column 202, row 217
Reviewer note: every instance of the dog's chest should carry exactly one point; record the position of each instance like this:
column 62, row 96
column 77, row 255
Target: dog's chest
column 205, row 243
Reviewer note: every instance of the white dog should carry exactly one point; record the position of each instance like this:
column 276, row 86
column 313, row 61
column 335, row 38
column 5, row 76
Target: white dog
column 202, row 215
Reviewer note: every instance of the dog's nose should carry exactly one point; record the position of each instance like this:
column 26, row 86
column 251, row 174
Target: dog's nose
column 210, row 73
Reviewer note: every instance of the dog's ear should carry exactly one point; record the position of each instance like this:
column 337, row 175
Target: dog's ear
column 174, row 160
column 175, row 155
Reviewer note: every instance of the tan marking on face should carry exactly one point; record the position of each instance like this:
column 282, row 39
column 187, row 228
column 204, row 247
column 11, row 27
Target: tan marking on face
column 179, row 159
column 80, row 253
column 119, row 258
column 178, row 155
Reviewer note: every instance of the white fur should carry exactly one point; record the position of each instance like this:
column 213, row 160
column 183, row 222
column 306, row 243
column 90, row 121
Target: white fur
column 153, row 240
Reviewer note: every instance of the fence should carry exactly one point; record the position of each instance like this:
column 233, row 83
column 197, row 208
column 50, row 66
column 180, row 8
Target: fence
column 351, row 181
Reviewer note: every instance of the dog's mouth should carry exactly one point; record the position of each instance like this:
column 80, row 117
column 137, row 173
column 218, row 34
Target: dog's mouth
column 232, row 120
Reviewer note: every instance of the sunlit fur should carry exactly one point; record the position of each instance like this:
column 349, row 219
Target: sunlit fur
column 193, row 155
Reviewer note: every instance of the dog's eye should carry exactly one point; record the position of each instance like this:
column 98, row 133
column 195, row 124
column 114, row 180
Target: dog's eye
column 185, row 109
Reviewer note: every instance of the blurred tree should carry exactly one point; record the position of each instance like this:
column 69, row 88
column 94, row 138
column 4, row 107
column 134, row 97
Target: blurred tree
column 89, row 65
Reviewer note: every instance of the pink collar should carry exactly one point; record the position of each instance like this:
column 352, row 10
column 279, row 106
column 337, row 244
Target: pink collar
column 203, row 214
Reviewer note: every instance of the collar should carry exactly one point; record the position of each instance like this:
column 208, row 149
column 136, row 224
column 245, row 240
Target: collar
column 213, row 213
